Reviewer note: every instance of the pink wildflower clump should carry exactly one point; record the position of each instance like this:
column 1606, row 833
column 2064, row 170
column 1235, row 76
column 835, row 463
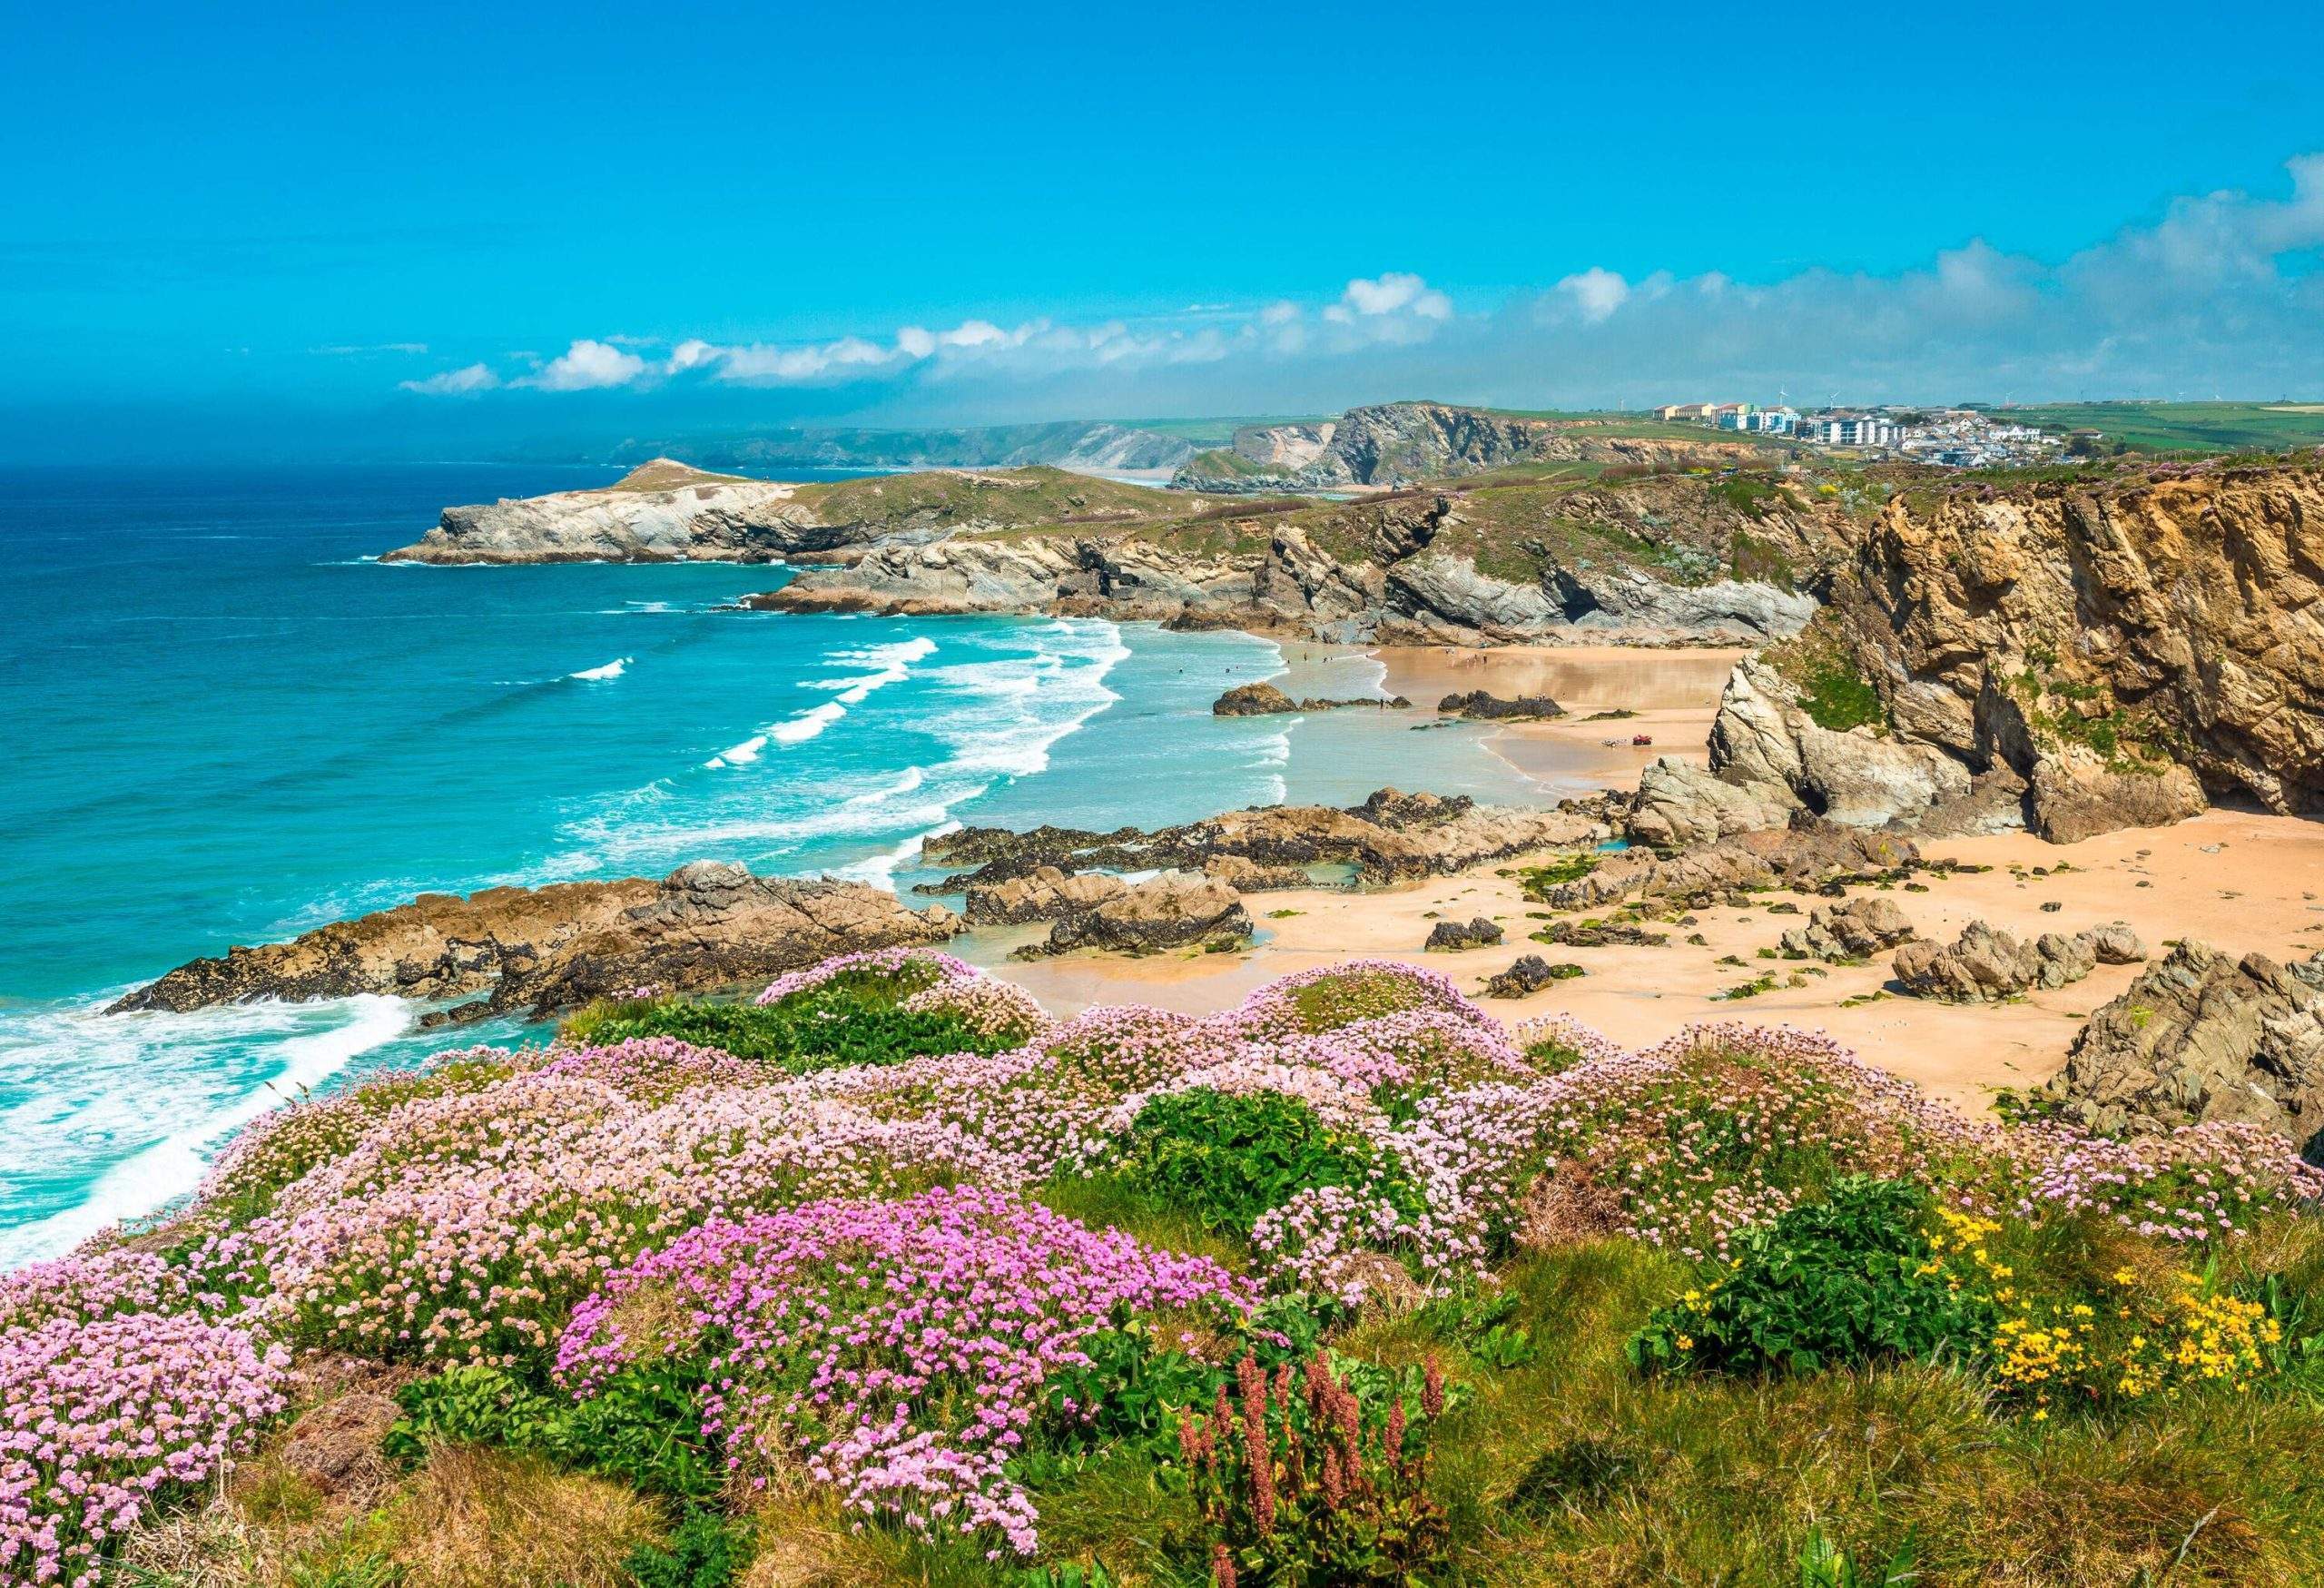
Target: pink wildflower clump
column 2195, row 1183
column 93, row 1284
column 898, row 1347
column 98, row 1417
column 280, row 1146
column 653, row 1068
column 917, row 969
column 1309, row 1001
column 993, row 1009
column 1720, row 1127
column 464, row 1227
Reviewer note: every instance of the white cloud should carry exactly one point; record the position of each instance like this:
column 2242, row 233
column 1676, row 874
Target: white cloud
column 1394, row 292
column 692, row 354
column 1597, row 292
column 2220, row 290
column 586, row 366
column 454, row 382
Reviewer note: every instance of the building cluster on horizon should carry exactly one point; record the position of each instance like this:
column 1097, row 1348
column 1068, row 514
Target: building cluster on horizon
column 1732, row 415
column 1952, row 437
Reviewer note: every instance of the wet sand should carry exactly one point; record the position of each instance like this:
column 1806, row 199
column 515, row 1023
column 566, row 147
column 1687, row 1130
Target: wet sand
column 1673, row 693
column 2239, row 882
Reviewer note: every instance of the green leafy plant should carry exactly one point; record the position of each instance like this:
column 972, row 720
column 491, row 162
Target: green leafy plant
column 1479, row 1323
column 1850, row 1280
column 1823, row 1564
column 1228, row 1158
column 1067, row 1574
column 704, row 1551
column 848, row 1020
column 644, row 1427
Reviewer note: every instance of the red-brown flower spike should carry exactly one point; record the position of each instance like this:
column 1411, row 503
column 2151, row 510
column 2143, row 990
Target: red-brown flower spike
column 1431, row 1387
column 1222, row 1567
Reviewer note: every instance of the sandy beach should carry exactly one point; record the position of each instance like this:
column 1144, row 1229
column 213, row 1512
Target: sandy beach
column 1674, row 694
column 2241, row 882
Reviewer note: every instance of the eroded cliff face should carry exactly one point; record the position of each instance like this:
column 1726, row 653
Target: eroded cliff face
column 2096, row 638
column 667, row 511
column 1424, row 567
column 662, row 511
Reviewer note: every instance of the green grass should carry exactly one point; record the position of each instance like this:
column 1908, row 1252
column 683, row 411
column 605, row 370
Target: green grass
column 1833, row 689
column 1226, row 463
column 1008, row 497
column 2183, row 426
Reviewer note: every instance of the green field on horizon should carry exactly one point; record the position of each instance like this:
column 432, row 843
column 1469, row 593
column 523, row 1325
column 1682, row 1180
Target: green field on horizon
column 2183, row 426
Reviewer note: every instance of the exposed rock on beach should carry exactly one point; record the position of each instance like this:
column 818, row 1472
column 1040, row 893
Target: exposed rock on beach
column 705, row 925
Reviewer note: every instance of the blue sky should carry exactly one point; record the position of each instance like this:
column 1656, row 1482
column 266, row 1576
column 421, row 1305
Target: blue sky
column 312, row 230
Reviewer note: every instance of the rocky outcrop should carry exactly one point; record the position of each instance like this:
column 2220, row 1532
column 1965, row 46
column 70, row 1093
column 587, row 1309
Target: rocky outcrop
column 1248, row 876
column 665, row 511
column 2204, row 1035
column 1764, row 739
column 1486, row 707
column 1252, row 700
column 1627, row 598
column 1289, row 447
column 1404, row 566
column 1166, row 912
column 1680, row 805
column 1528, row 975
column 1392, row 837
column 1047, row 894
column 2075, row 795
column 1455, row 935
column 661, row 511
column 1808, row 856
column 1856, row 930
column 705, row 925
column 1392, row 442
column 2124, row 644
column 1267, row 700
column 1985, row 963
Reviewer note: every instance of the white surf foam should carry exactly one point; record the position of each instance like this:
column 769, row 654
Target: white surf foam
column 880, row 869
column 109, row 1078
column 612, row 669
column 799, row 729
column 741, row 755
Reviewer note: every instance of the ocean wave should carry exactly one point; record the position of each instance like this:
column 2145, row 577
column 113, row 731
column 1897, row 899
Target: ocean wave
column 879, row 870
column 996, row 712
column 106, row 1079
column 799, row 729
column 612, row 669
column 741, row 755
column 1275, row 749
column 1013, row 710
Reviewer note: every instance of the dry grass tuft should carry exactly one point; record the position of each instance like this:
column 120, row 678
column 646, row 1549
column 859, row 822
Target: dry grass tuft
column 475, row 1518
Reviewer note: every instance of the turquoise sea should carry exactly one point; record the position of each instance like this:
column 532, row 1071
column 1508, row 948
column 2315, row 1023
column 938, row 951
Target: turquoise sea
column 226, row 725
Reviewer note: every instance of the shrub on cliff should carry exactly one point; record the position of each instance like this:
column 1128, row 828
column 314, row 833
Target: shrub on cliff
column 1839, row 1283
column 1227, row 1157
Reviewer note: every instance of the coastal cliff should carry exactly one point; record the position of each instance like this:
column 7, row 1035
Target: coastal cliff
column 1491, row 561
column 2075, row 656
column 1392, row 444
column 2097, row 636
column 666, row 511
